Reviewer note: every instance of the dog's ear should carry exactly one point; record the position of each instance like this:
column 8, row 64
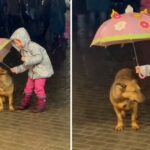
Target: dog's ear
column 121, row 86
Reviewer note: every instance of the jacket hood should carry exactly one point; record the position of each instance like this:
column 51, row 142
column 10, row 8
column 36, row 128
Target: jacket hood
column 22, row 35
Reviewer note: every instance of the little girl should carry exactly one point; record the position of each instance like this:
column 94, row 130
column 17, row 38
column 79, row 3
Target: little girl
column 38, row 64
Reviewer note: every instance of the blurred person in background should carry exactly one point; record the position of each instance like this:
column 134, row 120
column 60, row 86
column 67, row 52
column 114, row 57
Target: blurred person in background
column 3, row 23
column 35, row 15
column 14, row 15
column 57, row 23
column 100, row 8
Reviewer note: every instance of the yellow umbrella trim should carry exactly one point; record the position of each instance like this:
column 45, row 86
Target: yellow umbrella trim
column 120, row 39
column 4, row 44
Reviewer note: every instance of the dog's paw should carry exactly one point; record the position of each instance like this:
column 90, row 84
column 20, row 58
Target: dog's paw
column 135, row 126
column 11, row 108
column 119, row 127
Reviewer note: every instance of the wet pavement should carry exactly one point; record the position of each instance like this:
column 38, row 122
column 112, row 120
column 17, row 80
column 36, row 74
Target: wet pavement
column 93, row 72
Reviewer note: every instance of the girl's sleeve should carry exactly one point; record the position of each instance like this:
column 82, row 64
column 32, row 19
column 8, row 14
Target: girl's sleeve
column 21, row 68
column 35, row 59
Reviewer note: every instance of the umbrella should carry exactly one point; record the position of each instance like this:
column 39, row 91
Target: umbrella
column 124, row 28
column 5, row 46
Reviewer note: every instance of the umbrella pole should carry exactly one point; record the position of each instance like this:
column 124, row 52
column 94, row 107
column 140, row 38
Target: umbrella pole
column 136, row 58
column 5, row 65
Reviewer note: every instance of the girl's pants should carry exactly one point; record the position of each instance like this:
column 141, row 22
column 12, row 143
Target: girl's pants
column 36, row 85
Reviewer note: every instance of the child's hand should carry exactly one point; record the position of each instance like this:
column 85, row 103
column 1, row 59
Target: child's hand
column 14, row 70
column 140, row 71
column 137, row 69
column 23, row 59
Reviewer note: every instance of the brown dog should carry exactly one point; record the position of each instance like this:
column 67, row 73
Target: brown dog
column 125, row 94
column 6, row 89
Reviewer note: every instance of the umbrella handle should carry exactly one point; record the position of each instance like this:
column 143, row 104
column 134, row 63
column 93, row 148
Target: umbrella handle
column 5, row 65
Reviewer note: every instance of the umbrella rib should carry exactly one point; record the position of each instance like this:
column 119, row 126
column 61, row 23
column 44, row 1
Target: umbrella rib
column 5, row 65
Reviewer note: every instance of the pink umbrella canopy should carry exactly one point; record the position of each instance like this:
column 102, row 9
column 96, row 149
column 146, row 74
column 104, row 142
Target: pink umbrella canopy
column 123, row 28
column 5, row 45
